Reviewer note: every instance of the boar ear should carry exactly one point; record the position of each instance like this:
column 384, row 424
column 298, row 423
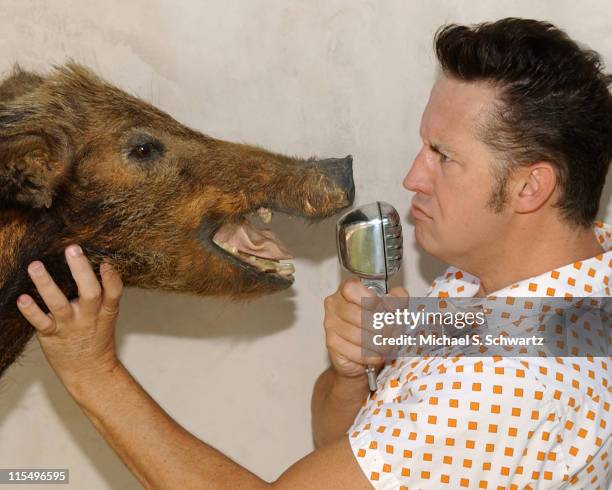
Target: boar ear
column 33, row 159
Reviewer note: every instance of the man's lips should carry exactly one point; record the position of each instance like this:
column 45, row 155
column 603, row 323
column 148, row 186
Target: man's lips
column 418, row 213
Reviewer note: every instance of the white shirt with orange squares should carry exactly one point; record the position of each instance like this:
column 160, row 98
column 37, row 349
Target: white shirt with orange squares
column 495, row 422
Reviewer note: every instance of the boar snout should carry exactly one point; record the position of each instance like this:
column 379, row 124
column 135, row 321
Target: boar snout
column 340, row 171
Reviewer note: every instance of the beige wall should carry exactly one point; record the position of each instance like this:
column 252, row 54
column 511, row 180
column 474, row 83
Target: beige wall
column 325, row 77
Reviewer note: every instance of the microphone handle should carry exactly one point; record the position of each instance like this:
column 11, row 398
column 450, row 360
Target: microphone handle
column 380, row 288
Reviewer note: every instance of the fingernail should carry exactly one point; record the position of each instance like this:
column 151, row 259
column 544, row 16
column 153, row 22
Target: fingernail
column 37, row 268
column 24, row 300
column 105, row 267
column 74, row 251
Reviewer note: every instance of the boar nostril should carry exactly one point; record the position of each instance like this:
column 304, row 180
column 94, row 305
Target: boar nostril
column 350, row 189
column 340, row 170
column 350, row 195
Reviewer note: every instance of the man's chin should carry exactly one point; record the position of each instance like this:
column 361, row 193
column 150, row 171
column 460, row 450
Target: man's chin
column 420, row 236
column 425, row 241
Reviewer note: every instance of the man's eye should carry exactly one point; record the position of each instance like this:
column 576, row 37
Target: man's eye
column 442, row 158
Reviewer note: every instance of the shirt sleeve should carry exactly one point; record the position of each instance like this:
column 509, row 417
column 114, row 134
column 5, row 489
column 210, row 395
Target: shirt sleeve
column 466, row 423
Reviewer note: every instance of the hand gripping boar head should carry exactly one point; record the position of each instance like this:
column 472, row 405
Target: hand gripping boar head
column 84, row 162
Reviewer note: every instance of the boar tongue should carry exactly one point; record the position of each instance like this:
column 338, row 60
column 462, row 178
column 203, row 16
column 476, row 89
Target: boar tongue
column 252, row 241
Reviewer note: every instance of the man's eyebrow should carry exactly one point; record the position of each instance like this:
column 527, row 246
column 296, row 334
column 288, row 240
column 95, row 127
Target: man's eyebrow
column 442, row 149
column 438, row 147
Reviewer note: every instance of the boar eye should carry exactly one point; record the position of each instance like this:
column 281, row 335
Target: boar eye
column 146, row 150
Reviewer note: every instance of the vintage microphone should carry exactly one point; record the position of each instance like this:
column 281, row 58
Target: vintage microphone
column 369, row 240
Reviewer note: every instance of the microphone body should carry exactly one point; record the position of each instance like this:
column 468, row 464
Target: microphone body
column 369, row 242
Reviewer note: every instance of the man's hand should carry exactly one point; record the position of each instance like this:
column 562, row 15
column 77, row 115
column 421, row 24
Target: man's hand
column 342, row 389
column 344, row 333
column 78, row 336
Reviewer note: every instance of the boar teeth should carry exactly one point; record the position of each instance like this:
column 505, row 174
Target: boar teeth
column 285, row 269
column 265, row 215
column 264, row 265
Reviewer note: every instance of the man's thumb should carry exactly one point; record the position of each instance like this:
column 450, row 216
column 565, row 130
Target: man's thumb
column 399, row 292
column 391, row 300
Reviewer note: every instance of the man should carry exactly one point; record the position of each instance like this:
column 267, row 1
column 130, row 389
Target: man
column 517, row 139
column 516, row 147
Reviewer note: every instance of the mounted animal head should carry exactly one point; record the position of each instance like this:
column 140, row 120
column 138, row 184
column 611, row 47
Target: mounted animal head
column 166, row 204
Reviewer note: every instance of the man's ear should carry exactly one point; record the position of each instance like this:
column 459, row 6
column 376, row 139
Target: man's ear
column 536, row 183
column 33, row 159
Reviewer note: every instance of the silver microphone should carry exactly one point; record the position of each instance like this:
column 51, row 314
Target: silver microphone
column 369, row 240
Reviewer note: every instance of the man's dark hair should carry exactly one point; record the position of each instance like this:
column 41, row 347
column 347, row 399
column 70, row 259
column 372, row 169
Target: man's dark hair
column 554, row 104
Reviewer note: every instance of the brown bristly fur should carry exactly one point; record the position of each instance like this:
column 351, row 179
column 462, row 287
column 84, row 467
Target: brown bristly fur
column 68, row 174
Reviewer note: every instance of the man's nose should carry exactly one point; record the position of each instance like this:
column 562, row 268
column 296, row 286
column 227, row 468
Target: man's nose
column 418, row 179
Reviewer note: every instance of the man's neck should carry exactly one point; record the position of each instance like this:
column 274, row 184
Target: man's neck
column 523, row 257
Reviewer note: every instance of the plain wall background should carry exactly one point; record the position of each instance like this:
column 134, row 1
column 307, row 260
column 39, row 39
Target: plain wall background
column 324, row 77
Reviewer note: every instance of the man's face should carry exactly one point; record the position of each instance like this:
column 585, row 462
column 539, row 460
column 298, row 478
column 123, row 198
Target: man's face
column 452, row 177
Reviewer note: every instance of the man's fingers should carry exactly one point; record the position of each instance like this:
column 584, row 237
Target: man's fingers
column 353, row 291
column 49, row 292
column 336, row 306
column 355, row 353
column 32, row 313
column 346, row 330
column 89, row 287
column 112, row 290
column 398, row 298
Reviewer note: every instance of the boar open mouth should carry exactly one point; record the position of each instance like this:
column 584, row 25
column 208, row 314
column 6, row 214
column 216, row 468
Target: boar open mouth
column 259, row 249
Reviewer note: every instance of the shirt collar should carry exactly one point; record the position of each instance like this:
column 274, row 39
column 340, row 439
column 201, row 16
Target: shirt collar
column 589, row 277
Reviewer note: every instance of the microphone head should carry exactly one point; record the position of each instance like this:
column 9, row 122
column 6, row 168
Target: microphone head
column 369, row 240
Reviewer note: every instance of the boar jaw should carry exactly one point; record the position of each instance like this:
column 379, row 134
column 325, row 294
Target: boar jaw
column 256, row 248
